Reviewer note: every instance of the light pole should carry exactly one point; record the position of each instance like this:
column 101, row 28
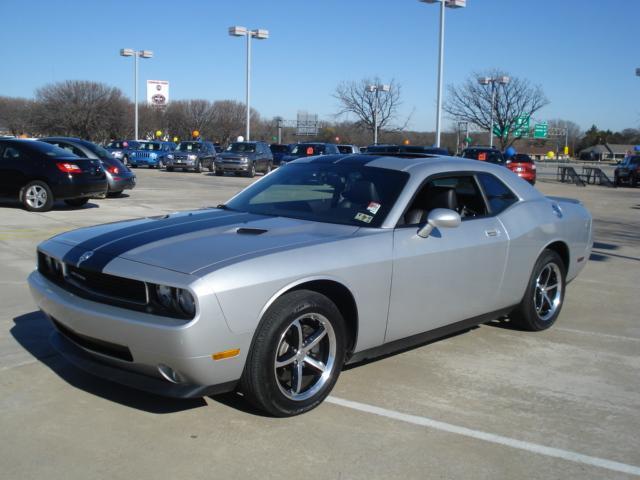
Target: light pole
column 502, row 80
column 129, row 52
column 443, row 4
column 260, row 34
column 376, row 106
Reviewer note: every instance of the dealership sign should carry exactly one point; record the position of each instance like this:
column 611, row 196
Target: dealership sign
column 157, row 93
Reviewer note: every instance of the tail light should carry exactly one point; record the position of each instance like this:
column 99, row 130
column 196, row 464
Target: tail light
column 533, row 166
column 67, row 167
column 112, row 169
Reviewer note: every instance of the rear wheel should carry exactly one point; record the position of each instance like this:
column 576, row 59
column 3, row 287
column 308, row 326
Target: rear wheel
column 76, row 202
column 297, row 354
column 36, row 196
column 544, row 296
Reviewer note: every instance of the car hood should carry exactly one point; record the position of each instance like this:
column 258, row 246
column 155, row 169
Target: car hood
column 236, row 155
column 192, row 241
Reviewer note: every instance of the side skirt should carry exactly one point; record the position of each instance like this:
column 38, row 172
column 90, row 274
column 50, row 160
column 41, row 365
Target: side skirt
column 425, row 337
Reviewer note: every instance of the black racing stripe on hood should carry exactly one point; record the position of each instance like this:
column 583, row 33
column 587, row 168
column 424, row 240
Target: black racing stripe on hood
column 109, row 246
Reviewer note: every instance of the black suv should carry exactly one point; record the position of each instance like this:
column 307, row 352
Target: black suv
column 245, row 158
column 628, row 171
column 310, row 149
column 193, row 155
column 484, row 154
column 38, row 173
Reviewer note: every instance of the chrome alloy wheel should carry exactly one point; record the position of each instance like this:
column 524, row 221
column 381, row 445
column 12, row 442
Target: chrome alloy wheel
column 305, row 356
column 36, row 196
column 548, row 292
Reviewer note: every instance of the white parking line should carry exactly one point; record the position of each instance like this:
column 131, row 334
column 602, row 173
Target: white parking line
column 598, row 334
column 489, row 437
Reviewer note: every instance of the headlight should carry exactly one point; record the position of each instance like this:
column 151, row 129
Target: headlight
column 116, row 154
column 170, row 156
column 164, row 295
column 172, row 302
column 244, row 159
column 192, row 157
column 186, row 302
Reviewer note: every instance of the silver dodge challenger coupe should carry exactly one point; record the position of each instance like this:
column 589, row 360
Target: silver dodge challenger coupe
column 328, row 261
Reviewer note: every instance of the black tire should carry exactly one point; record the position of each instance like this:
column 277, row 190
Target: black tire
column 531, row 314
column 36, row 196
column 211, row 167
column 114, row 194
column 269, row 168
column 264, row 384
column 125, row 160
column 634, row 181
column 219, row 173
column 76, row 202
column 169, row 169
column 616, row 181
column 252, row 170
column 198, row 167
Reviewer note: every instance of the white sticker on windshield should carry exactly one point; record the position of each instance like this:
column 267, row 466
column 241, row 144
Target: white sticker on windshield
column 363, row 217
column 373, row 207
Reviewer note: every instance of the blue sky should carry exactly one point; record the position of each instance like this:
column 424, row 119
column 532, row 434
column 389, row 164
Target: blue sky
column 582, row 52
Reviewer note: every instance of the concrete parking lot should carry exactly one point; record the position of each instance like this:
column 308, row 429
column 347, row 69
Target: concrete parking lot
column 490, row 403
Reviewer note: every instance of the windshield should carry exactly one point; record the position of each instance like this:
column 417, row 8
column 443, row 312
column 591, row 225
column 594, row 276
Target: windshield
column 150, row 146
column 279, row 148
column 241, row 147
column 188, row 147
column 332, row 193
column 485, row 155
column 306, row 150
column 98, row 150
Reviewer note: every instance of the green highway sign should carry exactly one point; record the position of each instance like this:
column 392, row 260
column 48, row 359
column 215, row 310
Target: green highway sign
column 521, row 128
column 540, row 130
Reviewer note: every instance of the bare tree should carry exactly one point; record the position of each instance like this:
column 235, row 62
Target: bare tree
column 355, row 98
column 573, row 131
column 82, row 109
column 471, row 102
column 229, row 120
column 15, row 115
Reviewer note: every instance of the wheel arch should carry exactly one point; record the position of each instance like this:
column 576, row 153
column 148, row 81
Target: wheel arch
column 336, row 291
column 562, row 249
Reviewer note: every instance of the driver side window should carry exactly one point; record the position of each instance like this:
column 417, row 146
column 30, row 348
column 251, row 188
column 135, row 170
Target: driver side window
column 455, row 192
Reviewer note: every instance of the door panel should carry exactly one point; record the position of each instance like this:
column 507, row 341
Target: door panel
column 452, row 275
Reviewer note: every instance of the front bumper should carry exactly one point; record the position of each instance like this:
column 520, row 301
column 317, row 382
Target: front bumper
column 139, row 162
column 151, row 343
column 231, row 167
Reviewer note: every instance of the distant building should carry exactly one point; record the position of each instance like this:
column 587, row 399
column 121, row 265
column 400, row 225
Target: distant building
column 538, row 149
column 606, row 152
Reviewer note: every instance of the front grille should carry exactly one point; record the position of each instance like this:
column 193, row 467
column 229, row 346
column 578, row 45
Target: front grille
column 95, row 345
column 107, row 285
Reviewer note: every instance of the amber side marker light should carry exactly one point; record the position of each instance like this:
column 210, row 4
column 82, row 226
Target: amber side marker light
column 234, row 352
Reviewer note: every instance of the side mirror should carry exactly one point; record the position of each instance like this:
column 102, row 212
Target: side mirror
column 439, row 218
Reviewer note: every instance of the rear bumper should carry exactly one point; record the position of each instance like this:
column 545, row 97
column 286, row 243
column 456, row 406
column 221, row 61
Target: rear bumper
column 117, row 184
column 79, row 188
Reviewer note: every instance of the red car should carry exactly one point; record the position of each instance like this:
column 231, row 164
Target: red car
column 523, row 166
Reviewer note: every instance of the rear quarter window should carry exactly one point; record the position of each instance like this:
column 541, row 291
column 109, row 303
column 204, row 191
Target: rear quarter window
column 499, row 196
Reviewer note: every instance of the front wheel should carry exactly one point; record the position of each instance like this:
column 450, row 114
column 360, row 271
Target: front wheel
column 297, row 354
column 36, row 196
column 544, row 296
column 197, row 168
column 169, row 169
column 252, row 170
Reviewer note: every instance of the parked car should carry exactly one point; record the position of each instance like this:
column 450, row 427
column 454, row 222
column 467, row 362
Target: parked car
column 38, row 174
column 279, row 150
column 484, row 154
column 300, row 150
column 153, row 154
column 523, row 166
column 193, row 155
column 121, row 149
column 348, row 149
column 406, row 149
column 245, row 158
column 628, row 171
column 322, row 263
column 119, row 176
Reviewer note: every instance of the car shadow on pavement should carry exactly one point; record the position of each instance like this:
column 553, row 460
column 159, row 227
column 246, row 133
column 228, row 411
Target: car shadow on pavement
column 32, row 331
column 56, row 206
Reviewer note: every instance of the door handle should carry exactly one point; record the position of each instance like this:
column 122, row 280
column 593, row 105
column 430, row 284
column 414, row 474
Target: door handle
column 492, row 233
